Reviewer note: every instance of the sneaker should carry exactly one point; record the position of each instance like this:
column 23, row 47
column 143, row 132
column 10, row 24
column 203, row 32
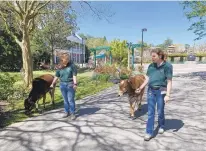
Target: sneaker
column 73, row 117
column 161, row 131
column 147, row 137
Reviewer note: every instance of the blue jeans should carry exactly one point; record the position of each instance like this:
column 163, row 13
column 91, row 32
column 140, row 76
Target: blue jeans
column 153, row 97
column 68, row 94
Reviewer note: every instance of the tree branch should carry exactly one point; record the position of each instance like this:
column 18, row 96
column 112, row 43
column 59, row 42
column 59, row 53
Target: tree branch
column 21, row 10
column 31, row 6
column 94, row 10
column 15, row 10
column 37, row 9
column 25, row 6
column 33, row 25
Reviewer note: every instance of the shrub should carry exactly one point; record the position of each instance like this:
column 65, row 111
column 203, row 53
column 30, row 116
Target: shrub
column 6, row 86
column 124, row 76
column 125, row 71
column 101, row 77
column 177, row 55
column 111, row 71
column 200, row 54
column 140, row 68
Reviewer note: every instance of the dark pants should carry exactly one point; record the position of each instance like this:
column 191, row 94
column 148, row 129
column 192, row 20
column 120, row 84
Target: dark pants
column 68, row 94
column 155, row 97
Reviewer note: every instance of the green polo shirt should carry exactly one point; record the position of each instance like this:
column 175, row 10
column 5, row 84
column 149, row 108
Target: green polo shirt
column 158, row 76
column 66, row 74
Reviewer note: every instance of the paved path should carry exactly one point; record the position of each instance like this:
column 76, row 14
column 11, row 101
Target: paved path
column 185, row 68
column 103, row 124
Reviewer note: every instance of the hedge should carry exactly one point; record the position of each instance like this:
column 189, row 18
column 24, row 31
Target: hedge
column 185, row 55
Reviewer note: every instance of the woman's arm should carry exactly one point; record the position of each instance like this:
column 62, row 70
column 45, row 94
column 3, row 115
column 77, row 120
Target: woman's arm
column 75, row 80
column 143, row 84
column 169, row 87
column 54, row 81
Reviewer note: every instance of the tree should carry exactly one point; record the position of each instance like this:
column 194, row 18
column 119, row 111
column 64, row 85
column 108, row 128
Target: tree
column 96, row 41
column 196, row 10
column 119, row 51
column 187, row 47
column 9, row 53
column 55, row 24
column 168, row 42
column 19, row 19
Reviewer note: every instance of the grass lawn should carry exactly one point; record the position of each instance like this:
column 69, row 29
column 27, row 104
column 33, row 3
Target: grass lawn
column 86, row 87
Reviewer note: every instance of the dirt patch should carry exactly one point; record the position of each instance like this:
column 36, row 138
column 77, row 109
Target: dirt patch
column 3, row 112
column 3, row 105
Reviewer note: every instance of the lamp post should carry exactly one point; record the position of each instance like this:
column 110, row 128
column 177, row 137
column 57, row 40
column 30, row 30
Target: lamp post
column 144, row 29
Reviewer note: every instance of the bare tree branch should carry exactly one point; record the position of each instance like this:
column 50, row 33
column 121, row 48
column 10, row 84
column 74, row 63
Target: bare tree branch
column 19, row 25
column 31, row 6
column 37, row 9
column 95, row 10
column 21, row 10
column 91, row 8
column 15, row 10
column 33, row 26
column 25, row 6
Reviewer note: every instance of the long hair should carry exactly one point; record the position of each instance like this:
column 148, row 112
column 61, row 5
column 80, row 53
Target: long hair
column 64, row 60
column 160, row 53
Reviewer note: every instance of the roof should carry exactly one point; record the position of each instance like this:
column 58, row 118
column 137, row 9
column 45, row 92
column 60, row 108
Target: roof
column 171, row 46
column 107, row 48
column 75, row 38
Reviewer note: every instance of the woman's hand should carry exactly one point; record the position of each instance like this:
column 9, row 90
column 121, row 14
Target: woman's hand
column 166, row 98
column 74, row 87
column 52, row 85
column 138, row 91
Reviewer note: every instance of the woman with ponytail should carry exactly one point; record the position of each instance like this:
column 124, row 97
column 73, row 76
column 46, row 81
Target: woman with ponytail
column 160, row 73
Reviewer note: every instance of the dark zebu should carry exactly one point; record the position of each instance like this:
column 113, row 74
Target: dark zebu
column 40, row 87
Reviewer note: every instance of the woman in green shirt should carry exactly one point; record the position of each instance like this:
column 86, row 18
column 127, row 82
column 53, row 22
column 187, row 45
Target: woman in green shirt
column 68, row 84
column 160, row 74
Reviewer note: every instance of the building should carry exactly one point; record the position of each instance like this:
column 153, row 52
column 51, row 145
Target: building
column 171, row 49
column 76, row 51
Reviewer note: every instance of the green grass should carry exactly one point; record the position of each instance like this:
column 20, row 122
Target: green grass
column 86, row 87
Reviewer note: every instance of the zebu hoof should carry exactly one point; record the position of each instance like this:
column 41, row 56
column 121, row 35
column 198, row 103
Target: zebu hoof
column 40, row 111
column 133, row 117
column 28, row 113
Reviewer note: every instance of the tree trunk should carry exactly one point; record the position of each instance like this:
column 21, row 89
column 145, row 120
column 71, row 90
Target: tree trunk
column 27, row 59
column 52, row 53
column 52, row 58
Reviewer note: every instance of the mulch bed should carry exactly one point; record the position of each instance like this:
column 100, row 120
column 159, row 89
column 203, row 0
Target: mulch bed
column 3, row 113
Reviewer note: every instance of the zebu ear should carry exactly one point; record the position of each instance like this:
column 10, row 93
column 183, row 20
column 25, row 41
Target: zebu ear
column 129, row 80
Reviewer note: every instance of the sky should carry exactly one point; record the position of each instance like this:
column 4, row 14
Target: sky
column 163, row 19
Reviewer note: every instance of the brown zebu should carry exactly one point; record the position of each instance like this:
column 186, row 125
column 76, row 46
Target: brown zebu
column 40, row 87
column 129, row 86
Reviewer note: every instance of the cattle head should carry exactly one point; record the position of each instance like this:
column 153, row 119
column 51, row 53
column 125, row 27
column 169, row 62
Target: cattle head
column 28, row 105
column 129, row 86
column 123, row 87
